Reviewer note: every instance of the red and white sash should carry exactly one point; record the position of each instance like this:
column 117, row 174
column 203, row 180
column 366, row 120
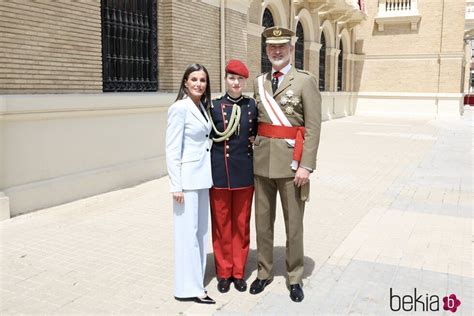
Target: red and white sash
column 275, row 113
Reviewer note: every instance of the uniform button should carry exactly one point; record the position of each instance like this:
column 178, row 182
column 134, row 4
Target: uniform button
column 250, row 121
column 207, row 135
column 226, row 121
column 250, row 129
column 227, row 155
column 227, row 139
column 227, row 147
column 248, row 154
column 212, row 106
column 225, row 113
column 249, row 146
column 207, row 149
column 250, row 113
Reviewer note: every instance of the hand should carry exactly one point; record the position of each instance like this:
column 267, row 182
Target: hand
column 178, row 197
column 301, row 177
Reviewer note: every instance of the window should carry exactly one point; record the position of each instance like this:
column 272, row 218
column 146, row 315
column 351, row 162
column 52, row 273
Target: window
column 362, row 5
column 322, row 64
column 472, row 49
column 340, row 67
column 267, row 21
column 129, row 45
column 299, row 47
column 472, row 68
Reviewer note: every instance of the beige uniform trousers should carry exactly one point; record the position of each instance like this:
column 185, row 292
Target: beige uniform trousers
column 293, row 210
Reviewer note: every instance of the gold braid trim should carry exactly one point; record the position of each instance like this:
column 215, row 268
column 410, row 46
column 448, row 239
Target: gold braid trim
column 234, row 122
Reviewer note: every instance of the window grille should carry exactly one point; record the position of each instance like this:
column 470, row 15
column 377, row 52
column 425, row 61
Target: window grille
column 299, row 47
column 129, row 45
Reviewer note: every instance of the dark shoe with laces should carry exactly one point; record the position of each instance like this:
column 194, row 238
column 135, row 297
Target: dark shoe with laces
column 223, row 285
column 240, row 284
column 296, row 293
column 197, row 299
column 258, row 285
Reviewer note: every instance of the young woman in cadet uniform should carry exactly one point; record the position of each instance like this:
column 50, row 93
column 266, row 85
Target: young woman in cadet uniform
column 234, row 118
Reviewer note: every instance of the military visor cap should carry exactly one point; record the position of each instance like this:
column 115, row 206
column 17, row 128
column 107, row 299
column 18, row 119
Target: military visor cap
column 277, row 35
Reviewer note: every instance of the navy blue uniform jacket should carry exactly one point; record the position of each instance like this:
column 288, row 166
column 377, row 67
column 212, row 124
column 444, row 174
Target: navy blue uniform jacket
column 232, row 159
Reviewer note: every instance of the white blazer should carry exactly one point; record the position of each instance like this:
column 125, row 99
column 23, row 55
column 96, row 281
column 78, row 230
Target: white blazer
column 188, row 147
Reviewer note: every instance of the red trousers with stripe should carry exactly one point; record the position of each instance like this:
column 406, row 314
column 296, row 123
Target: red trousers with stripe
column 230, row 214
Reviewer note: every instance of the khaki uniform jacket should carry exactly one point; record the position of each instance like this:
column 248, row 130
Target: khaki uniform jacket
column 272, row 156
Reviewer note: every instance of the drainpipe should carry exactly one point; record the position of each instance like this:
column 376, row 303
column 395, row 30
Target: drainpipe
column 222, row 45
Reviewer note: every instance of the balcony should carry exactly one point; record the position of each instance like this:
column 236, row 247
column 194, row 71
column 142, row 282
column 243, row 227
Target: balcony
column 350, row 12
column 469, row 26
column 398, row 12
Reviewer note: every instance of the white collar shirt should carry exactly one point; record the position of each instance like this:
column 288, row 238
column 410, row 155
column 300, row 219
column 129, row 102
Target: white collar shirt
column 284, row 71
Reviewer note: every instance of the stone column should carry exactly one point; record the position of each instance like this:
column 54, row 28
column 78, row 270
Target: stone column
column 4, row 206
column 254, row 32
column 312, row 61
column 348, row 71
column 331, row 68
column 4, row 201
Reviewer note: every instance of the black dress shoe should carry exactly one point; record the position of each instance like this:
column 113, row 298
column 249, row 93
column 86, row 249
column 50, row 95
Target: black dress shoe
column 296, row 293
column 240, row 284
column 199, row 300
column 258, row 285
column 223, row 285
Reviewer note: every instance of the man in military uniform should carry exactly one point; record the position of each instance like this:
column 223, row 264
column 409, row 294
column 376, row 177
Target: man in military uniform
column 289, row 125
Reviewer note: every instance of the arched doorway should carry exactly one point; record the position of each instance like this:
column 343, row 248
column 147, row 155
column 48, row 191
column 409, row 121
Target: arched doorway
column 322, row 64
column 299, row 47
column 340, row 67
column 267, row 21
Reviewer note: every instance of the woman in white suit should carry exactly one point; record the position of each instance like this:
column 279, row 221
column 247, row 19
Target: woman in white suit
column 189, row 168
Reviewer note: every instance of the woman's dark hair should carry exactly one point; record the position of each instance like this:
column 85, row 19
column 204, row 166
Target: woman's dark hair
column 206, row 97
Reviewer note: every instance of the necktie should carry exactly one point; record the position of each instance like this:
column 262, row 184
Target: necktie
column 276, row 75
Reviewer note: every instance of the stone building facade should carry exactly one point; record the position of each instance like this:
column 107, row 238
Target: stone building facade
column 414, row 57
column 50, row 47
column 85, row 85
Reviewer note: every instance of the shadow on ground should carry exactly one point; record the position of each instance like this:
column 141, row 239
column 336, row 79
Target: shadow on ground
column 279, row 266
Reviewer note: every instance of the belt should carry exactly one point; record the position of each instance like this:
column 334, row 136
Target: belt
column 285, row 132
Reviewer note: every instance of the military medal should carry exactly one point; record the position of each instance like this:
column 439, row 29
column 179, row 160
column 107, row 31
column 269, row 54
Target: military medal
column 289, row 101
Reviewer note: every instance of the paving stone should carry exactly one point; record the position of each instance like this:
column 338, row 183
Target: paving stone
column 391, row 207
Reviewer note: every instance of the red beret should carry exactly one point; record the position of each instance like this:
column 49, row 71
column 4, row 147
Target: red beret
column 237, row 67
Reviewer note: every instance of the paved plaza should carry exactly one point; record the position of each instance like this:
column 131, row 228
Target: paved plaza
column 390, row 214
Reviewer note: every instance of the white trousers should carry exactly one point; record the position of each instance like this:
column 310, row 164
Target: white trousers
column 190, row 243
